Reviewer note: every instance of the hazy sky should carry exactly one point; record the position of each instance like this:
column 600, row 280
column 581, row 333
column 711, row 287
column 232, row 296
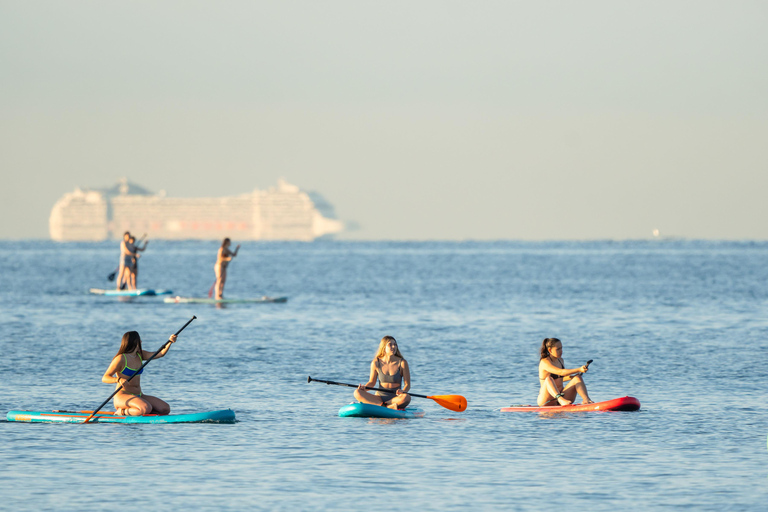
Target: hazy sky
column 416, row 119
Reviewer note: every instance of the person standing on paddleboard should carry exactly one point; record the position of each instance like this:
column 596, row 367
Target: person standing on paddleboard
column 223, row 257
column 391, row 370
column 124, row 254
column 130, row 401
column 135, row 262
column 553, row 374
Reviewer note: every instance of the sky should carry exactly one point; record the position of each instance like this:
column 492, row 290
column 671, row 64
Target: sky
column 428, row 120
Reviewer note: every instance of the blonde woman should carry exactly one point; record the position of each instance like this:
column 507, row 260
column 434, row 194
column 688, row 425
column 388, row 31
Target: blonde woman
column 391, row 370
column 553, row 374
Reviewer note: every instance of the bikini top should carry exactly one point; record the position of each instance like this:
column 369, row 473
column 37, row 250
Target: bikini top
column 397, row 378
column 130, row 372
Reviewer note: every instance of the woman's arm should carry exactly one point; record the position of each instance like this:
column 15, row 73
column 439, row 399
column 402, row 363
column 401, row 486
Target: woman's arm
column 406, row 377
column 373, row 376
column 550, row 368
column 146, row 354
column 109, row 375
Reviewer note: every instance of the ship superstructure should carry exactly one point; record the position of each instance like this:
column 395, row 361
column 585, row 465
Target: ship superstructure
column 284, row 212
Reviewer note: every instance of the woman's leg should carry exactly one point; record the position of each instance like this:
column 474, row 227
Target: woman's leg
column 158, row 406
column 221, row 278
column 120, row 271
column 368, row 398
column 131, row 405
column 548, row 393
column 399, row 402
column 577, row 385
column 126, row 279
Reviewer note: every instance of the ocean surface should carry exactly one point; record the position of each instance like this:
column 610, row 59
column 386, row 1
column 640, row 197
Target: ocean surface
column 681, row 325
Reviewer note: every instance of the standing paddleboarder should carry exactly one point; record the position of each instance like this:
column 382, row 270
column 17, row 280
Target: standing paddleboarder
column 125, row 255
column 223, row 257
column 130, row 401
column 391, row 369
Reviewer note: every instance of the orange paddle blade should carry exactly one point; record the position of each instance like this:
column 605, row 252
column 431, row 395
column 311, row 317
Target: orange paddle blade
column 453, row 402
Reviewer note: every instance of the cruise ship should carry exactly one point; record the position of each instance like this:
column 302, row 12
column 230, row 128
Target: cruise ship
column 284, row 212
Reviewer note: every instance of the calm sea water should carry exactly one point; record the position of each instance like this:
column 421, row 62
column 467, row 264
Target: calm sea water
column 681, row 325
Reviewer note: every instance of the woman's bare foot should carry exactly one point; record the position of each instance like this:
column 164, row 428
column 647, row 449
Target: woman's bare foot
column 119, row 412
column 563, row 401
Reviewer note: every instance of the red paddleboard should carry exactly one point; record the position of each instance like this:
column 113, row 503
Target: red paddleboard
column 625, row 403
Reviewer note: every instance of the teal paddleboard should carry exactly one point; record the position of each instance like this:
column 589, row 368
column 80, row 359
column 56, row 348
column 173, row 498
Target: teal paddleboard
column 224, row 416
column 359, row 410
column 130, row 293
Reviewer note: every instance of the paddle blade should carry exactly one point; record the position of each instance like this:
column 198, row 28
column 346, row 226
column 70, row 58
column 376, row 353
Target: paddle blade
column 453, row 402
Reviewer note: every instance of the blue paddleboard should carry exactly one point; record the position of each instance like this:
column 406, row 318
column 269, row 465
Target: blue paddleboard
column 360, row 410
column 224, row 416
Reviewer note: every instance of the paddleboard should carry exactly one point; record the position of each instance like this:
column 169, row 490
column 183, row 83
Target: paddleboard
column 224, row 416
column 359, row 410
column 201, row 300
column 130, row 293
column 626, row 403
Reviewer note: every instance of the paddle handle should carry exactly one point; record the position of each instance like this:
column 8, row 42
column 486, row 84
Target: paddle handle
column 137, row 372
column 310, row 379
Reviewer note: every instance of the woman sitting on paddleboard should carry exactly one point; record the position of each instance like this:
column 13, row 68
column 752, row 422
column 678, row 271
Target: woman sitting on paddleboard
column 391, row 370
column 553, row 374
column 130, row 401
column 223, row 258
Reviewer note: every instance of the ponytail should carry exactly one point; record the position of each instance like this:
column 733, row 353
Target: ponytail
column 546, row 345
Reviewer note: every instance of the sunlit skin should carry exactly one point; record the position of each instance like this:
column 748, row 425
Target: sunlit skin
column 389, row 364
column 123, row 253
column 223, row 257
column 553, row 375
column 129, row 401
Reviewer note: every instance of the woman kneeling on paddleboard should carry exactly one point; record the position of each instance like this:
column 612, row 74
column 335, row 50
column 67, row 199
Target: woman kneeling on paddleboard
column 130, row 401
column 553, row 374
column 391, row 370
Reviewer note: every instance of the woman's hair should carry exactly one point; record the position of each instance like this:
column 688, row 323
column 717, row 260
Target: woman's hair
column 130, row 341
column 546, row 345
column 383, row 348
column 225, row 241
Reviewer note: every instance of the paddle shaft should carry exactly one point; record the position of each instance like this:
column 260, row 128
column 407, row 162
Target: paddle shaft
column 137, row 372
column 310, row 379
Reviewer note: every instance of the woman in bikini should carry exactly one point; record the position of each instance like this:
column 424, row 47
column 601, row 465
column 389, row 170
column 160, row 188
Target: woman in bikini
column 392, row 372
column 223, row 258
column 130, row 401
column 553, row 374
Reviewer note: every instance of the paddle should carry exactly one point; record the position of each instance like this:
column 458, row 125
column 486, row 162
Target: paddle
column 453, row 402
column 111, row 276
column 137, row 372
column 575, row 374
